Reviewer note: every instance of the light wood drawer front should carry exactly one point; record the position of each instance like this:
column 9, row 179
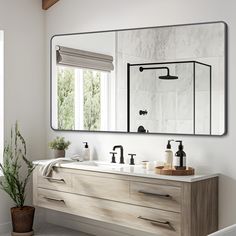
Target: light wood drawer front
column 57, row 181
column 162, row 223
column 156, row 196
column 101, row 187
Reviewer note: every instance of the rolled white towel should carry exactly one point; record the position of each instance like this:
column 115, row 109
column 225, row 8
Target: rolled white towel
column 47, row 167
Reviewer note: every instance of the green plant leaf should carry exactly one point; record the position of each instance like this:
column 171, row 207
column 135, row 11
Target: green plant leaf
column 14, row 159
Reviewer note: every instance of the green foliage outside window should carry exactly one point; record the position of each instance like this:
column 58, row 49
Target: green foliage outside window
column 65, row 97
column 91, row 98
column 92, row 101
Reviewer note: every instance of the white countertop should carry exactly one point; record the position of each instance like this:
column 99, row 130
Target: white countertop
column 125, row 169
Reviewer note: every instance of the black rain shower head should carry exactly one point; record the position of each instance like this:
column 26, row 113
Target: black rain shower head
column 164, row 77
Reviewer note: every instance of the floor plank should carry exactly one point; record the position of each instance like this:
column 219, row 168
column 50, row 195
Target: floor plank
column 53, row 230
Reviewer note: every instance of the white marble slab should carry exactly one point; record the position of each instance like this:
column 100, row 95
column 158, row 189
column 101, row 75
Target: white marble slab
column 126, row 169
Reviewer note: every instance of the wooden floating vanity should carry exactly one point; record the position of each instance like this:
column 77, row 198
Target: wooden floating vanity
column 138, row 199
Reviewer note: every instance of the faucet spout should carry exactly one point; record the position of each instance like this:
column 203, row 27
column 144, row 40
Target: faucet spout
column 121, row 153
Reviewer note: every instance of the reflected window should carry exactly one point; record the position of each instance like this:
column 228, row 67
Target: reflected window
column 82, row 98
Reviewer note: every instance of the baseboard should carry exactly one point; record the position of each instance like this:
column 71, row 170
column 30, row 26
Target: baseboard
column 5, row 228
column 90, row 226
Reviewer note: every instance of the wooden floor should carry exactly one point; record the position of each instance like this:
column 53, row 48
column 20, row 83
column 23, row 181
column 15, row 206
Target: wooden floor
column 53, row 230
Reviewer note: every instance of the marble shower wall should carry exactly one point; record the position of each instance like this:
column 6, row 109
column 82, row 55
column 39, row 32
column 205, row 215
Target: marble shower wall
column 169, row 103
column 170, row 107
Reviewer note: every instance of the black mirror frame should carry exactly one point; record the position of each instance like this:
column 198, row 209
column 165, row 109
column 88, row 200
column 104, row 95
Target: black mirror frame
column 153, row 27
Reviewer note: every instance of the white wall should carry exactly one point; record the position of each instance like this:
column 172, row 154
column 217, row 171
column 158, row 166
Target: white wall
column 215, row 154
column 23, row 25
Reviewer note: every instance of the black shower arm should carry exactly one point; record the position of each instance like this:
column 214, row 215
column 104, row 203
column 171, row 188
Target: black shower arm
column 141, row 69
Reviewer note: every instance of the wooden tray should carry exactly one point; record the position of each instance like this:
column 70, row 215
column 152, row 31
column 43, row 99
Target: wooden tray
column 160, row 170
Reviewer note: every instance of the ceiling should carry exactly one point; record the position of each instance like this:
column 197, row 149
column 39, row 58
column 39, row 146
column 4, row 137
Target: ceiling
column 46, row 4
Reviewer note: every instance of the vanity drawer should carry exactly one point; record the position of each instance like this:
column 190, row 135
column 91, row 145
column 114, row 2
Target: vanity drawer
column 58, row 180
column 156, row 196
column 101, row 187
column 162, row 223
column 84, row 184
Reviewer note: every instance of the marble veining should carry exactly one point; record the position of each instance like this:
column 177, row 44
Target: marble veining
column 198, row 42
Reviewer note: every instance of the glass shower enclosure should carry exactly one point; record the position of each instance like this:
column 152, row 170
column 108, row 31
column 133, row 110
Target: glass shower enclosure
column 169, row 97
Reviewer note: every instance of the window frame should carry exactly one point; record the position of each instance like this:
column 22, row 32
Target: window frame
column 105, row 84
column 1, row 95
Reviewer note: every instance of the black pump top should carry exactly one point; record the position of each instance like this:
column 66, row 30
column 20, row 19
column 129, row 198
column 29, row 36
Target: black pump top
column 181, row 147
column 168, row 146
column 86, row 144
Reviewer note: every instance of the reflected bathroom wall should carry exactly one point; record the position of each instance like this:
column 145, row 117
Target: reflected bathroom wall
column 180, row 106
column 203, row 43
column 105, row 109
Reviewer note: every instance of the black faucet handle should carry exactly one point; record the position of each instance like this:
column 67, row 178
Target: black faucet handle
column 132, row 158
column 113, row 158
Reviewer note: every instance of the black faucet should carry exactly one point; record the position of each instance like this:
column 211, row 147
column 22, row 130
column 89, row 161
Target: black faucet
column 121, row 153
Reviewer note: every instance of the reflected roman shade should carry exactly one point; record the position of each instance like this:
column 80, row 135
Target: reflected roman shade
column 83, row 59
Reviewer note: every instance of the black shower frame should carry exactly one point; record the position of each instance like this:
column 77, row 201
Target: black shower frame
column 194, row 93
column 152, row 27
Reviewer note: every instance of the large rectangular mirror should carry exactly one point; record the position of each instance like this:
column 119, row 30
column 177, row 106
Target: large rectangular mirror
column 169, row 80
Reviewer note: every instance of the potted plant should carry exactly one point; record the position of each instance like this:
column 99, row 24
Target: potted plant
column 59, row 145
column 16, row 169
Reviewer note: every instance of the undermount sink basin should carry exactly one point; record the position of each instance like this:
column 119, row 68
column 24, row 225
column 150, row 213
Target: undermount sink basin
column 101, row 164
column 87, row 163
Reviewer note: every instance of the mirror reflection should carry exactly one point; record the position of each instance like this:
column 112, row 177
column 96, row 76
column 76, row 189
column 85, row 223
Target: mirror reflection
column 166, row 97
column 168, row 80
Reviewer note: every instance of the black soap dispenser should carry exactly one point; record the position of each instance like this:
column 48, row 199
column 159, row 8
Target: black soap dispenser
column 180, row 157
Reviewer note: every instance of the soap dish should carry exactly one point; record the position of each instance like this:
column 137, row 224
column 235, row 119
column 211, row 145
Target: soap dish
column 162, row 171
